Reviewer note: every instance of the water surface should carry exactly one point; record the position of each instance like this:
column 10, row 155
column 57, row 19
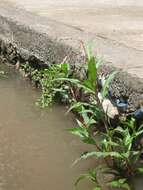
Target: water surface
column 35, row 151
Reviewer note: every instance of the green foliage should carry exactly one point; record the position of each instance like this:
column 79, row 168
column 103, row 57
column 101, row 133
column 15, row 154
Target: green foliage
column 106, row 85
column 49, row 85
column 2, row 74
column 117, row 150
column 83, row 131
column 117, row 145
column 92, row 176
column 90, row 82
column 120, row 183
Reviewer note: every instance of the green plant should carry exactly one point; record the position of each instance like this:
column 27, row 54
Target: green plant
column 93, row 176
column 2, row 74
column 118, row 147
column 26, row 68
column 117, row 150
column 84, row 93
column 49, row 85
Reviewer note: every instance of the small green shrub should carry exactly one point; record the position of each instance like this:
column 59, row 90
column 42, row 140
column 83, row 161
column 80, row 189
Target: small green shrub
column 48, row 82
column 50, row 86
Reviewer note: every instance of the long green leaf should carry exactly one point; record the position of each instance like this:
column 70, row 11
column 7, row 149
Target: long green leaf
column 105, row 89
column 99, row 155
column 65, row 68
column 97, row 188
column 90, row 175
column 92, row 73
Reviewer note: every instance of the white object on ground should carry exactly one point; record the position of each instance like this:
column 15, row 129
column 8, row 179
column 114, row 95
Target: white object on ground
column 109, row 108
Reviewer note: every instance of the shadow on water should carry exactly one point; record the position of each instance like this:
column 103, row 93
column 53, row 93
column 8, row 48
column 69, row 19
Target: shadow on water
column 35, row 151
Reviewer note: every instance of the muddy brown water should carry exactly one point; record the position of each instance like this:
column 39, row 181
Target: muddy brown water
column 36, row 153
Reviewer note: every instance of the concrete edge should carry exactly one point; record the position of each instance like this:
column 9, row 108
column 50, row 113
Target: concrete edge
column 22, row 43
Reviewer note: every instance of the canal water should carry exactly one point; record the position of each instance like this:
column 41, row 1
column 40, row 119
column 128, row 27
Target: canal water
column 36, row 153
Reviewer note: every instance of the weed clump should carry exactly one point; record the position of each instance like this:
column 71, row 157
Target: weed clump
column 95, row 115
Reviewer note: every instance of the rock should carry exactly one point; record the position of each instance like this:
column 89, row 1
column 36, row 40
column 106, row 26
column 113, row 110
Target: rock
column 110, row 109
column 121, row 105
column 138, row 114
column 24, row 54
